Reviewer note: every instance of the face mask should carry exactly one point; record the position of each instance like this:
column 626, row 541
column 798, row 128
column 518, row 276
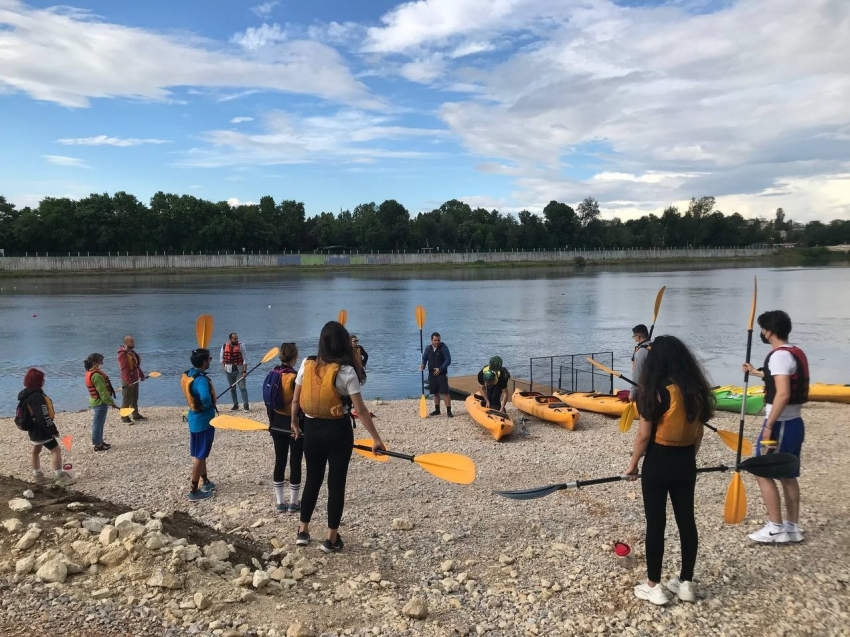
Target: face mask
column 764, row 338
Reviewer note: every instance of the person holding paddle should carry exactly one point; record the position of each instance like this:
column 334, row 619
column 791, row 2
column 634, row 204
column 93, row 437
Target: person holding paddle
column 129, row 362
column 101, row 398
column 493, row 381
column 640, row 335
column 326, row 388
column 674, row 400
column 437, row 359
column 234, row 362
column 200, row 394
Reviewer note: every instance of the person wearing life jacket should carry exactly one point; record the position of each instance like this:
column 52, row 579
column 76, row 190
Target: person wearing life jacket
column 279, row 409
column 675, row 399
column 786, row 389
column 437, row 359
column 493, row 382
column 199, row 393
column 38, row 414
column 101, row 398
column 359, row 350
column 326, row 387
column 234, row 361
column 130, row 364
column 640, row 335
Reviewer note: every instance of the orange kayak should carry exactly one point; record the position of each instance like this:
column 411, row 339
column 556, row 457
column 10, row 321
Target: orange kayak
column 498, row 423
column 607, row 404
column 549, row 408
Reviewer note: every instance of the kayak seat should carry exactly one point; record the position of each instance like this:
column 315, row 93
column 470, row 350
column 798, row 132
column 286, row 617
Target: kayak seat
column 497, row 413
column 557, row 405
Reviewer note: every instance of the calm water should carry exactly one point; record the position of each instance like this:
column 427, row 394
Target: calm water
column 516, row 314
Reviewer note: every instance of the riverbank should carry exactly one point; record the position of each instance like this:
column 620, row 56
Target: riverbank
column 479, row 563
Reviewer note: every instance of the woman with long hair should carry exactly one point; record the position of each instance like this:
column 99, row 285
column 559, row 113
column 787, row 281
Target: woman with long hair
column 101, row 398
column 674, row 400
column 280, row 418
column 326, row 388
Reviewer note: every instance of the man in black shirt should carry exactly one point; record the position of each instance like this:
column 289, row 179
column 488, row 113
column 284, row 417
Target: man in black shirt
column 437, row 358
column 493, row 380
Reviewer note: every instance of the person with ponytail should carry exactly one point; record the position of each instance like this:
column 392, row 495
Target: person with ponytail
column 674, row 399
column 101, row 398
column 326, row 388
column 278, row 391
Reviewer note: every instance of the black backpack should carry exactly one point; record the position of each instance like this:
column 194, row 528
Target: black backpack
column 23, row 416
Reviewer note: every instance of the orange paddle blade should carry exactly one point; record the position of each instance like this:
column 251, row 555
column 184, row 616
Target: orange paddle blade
column 658, row 298
column 367, row 442
column 755, row 296
column 272, row 353
column 451, row 467
column 423, row 407
column 203, row 330
column 420, row 316
column 626, row 420
column 126, row 411
column 735, row 508
column 67, row 441
column 154, row 374
column 730, row 439
column 342, row 317
column 237, row 423
column 607, row 370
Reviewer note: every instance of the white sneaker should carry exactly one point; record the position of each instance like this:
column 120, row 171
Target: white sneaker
column 770, row 533
column 64, row 480
column 653, row 594
column 684, row 590
column 794, row 532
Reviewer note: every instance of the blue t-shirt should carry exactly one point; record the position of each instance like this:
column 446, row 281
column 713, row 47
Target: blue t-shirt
column 200, row 389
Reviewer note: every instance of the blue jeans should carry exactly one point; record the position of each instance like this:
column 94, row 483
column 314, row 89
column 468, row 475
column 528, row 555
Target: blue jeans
column 97, row 422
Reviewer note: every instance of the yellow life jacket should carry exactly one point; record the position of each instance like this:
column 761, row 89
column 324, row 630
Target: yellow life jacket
column 673, row 429
column 186, row 385
column 49, row 403
column 319, row 397
column 496, row 375
column 287, row 390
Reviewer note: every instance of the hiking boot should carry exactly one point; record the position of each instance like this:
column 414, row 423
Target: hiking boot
column 200, row 494
column 64, row 480
column 138, row 416
column 684, row 590
column 234, row 408
column 208, row 487
column 436, row 412
column 770, row 533
column 655, row 594
column 327, row 547
column 302, row 539
column 126, row 420
column 293, row 507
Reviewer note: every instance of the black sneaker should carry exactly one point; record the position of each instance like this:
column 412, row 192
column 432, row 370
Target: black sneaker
column 302, row 539
column 245, row 407
column 449, row 413
column 327, row 547
column 436, row 412
column 234, row 408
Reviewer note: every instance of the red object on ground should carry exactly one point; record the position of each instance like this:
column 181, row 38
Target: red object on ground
column 623, row 395
column 622, row 549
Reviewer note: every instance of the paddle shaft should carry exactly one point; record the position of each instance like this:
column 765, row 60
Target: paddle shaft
column 746, row 378
column 229, row 387
column 392, row 454
column 422, row 371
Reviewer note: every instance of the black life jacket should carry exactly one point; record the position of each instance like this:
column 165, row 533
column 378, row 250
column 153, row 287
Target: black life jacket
column 799, row 379
column 641, row 345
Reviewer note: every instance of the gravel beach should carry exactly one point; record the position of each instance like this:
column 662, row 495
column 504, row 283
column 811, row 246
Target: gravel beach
column 422, row 556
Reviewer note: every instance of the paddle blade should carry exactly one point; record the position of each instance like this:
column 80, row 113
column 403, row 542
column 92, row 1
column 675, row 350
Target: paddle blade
column 531, row 494
column 735, row 508
column 602, row 367
column 628, row 417
column 420, row 316
column 773, row 465
column 67, row 442
column 753, row 308
column 342, row 317
column 451, row 467
column 367, row 453
column 730, row 439
column 203, row 330
column 658, row 298
column 126, row 411
column 237, row 423
column 274, row 352
column 423, row 407
column 154, row 374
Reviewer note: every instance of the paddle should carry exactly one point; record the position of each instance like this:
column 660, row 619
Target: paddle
column 729, row 438
column 777, row 465
column 735, row 507
column 451, row 467
column 658, row 298
column 420, row 321
column 342, row 317
column 203, row 330
column 272, row 353
column 149, row 375
column 628, row 417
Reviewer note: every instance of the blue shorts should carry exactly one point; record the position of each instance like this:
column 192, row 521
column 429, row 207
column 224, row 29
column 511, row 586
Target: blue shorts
column 789, row 434
column 200, row 443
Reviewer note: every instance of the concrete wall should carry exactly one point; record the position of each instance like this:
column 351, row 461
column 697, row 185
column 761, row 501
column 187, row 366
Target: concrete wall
column 197, row 262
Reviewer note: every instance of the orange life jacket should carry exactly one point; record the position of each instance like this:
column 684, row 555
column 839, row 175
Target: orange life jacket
column 90, row 384
column 319, row 397
column 186, row 385
column 232, row 355
column 673, row 429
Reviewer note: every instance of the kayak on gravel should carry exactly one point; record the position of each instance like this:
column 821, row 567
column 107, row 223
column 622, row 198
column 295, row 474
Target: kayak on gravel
column 550, row 408
column 498, row 423
column 607, row 404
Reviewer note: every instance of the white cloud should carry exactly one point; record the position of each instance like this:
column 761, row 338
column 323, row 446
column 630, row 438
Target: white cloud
column 67, row 162
column 235, row 202
column 254, row 38
column 336, row 32
column 51, row 55
column 471, row 48
column 241, row 120
column 423, row 71
column 265, row 9
column 103, row 140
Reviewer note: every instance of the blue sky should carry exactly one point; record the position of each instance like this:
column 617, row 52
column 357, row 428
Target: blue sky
column 502, row 103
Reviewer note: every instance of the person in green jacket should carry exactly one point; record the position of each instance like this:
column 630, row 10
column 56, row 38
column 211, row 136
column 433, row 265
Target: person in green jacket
column 101, row 398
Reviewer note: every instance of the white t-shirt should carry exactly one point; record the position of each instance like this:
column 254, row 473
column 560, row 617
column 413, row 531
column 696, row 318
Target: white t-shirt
column 346, row 382
column 783, row 363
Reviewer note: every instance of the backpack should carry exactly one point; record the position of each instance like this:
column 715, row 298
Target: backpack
column 273, row 396
column 23, row 416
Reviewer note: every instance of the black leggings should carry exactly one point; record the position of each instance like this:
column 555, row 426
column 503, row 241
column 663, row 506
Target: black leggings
column 670, row 470
column 326, row 443
column 284, row 443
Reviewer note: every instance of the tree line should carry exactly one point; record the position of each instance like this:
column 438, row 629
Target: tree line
column 171, row 223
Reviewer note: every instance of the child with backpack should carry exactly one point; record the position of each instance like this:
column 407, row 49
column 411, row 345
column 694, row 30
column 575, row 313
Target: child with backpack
column 34, row 415
column 278, row 389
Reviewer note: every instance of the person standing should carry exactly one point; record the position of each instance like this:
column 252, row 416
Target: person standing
column 358, row 350
column 278, row 391
column 675, row 399
column 493, row 381
column 786, row 389
column 200, row 395
column 437, row 359
column 640, row 335
column 35, row 415
column 130, row 364
column 234, row 362
column 101, row 398
column 326, row 388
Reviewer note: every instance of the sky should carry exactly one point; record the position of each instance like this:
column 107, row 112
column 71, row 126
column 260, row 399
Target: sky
column 504, row 104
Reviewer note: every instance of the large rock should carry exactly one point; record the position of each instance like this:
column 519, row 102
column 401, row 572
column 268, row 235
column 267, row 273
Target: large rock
column 305, row 566
column 13, row 525
column 53, row 571
column 19, row 505
column 108, row 535
column 88, row 553
column 29, row 538
column 25, row 565
column 218, row 550
column 261, row 579
column 164, row 579
column 129, row 530
column 113, row 555
column 95, row 525
column 156, row 540
column 202, row 601
column 300, row 630
column 417, row 608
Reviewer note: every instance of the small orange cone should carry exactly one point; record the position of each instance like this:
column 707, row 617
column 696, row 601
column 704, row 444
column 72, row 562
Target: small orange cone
column 67, row 441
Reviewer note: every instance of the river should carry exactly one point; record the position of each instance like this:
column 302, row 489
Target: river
column 55, row 322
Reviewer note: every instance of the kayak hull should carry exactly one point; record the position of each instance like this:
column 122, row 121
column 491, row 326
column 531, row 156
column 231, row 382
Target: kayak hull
column 730, row 400
column 825, row 392
column 607, row 404
column 549, row 408
column 499, row 424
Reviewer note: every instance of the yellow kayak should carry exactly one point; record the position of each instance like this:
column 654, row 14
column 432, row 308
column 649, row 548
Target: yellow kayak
column 498, row 423
column 607, row 404
column 825, row 392
column 549, row 408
